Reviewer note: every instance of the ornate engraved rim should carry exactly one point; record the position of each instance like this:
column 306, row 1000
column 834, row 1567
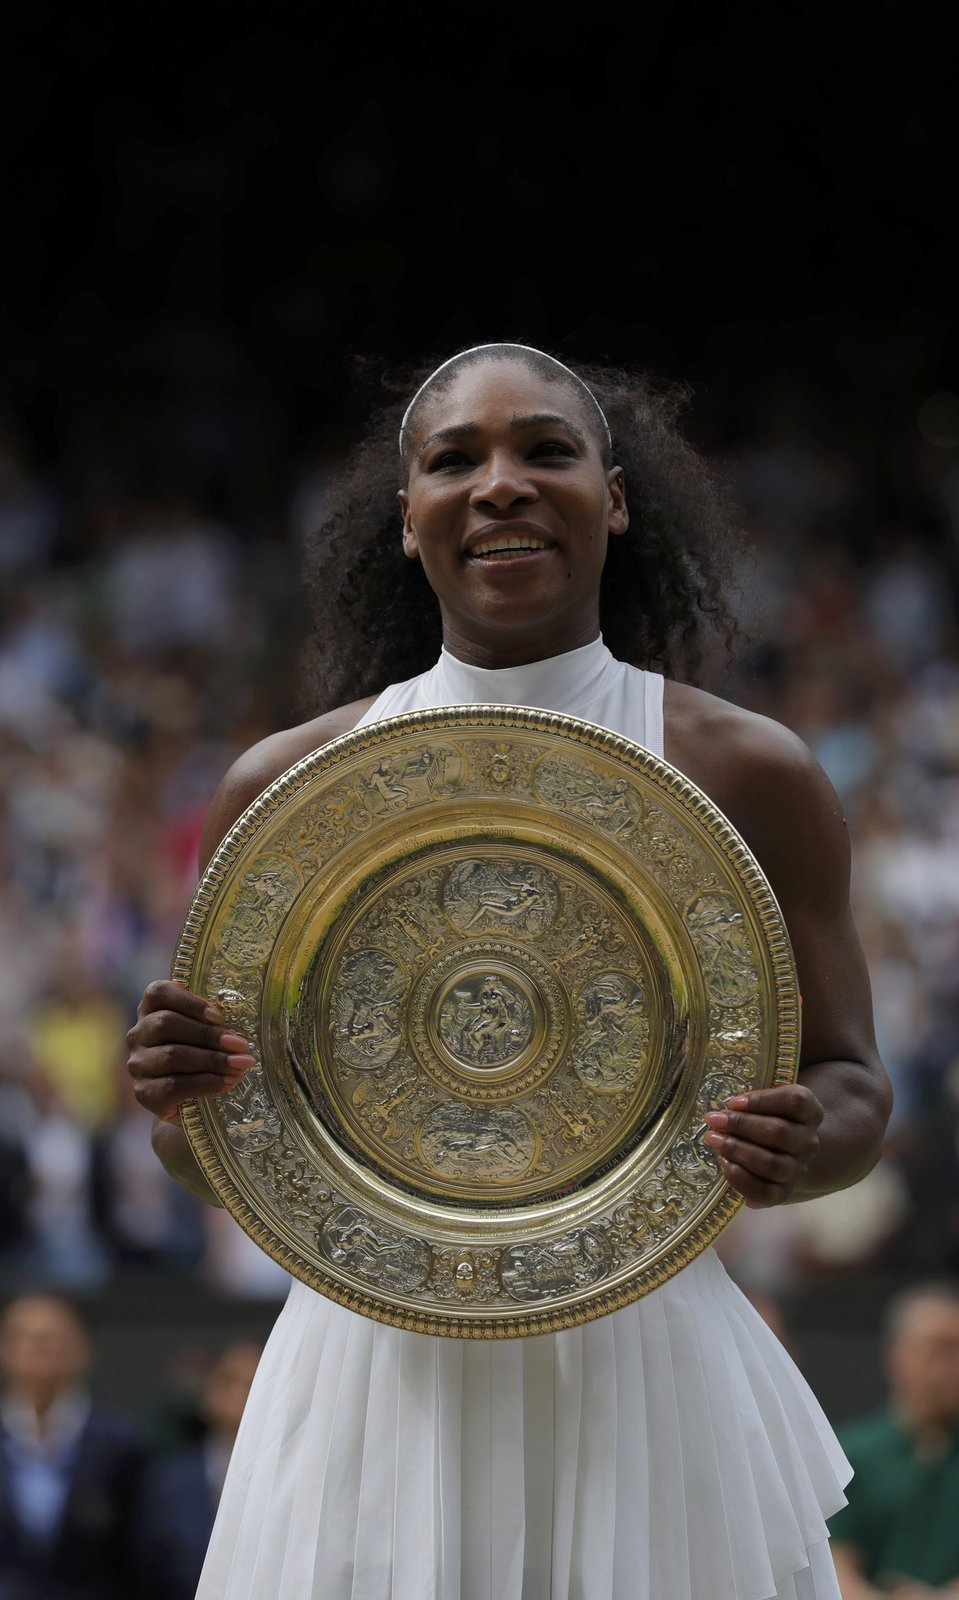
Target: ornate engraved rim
column 400, row 1310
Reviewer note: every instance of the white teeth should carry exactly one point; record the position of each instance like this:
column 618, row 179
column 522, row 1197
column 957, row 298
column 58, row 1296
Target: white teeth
column 492, row 545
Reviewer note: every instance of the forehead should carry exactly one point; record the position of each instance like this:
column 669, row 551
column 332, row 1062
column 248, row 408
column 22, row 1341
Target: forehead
column 931, row 1320
column 41, row 1319
column 493, row 393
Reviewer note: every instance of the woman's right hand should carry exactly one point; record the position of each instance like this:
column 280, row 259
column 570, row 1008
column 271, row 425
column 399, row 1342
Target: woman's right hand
column 180, row 1047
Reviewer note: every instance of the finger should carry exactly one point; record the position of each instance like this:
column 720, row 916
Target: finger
column 757, row 1192
column 162, row 1096
column 163, row 994
column 773, row 1133
column 792, row 1101
column 772, row 1166
column 160, row 1028
column 184, row 1061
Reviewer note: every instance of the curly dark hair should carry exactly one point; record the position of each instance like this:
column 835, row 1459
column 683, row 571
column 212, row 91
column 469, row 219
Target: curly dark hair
column 663, row 598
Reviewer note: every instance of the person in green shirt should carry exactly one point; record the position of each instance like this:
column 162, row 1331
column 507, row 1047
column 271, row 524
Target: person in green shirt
column 899, row 1534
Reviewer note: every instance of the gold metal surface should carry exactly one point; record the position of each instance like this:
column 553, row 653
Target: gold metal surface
column 495, row 964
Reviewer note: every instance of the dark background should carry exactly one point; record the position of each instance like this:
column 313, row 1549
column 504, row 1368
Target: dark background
column 221, row 222
column 734, row 195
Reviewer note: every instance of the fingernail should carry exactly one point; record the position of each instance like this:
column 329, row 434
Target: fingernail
column 212, row 1013
column 715, row 1139
column 717, row 1119
column 234, row 1044
column 738, row 1102
column 238, row 1065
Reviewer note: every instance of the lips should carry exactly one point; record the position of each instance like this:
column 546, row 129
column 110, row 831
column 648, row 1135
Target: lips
column 496, row 547
column 509, row 543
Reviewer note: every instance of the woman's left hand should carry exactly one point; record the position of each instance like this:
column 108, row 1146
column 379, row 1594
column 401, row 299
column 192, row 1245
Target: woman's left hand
column 765, row 1141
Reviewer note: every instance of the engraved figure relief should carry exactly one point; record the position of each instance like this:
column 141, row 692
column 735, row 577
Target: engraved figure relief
column 578, row 1123
column 612, row 1045
column 660, row 841
column 500, row 771
column 609, row 803
column 251, row 1121
column 405, row 913
column 684, row 876
column 485, row 1020
column 385, row 1101
column 715, row 923
column 301, row 841
column 628, row 1230
column 390, row 1104
column 465, row 1275
column 405, row 918
column 715, row 1090
column 498, row 768
column 350, row 1239
column 292, row 1179
column 366, row 1020
column 531, row 1272
column 596, row 930
column 739, row 1041
column 482, row 1144
column 662, row 1201
column 345, row 811
column 397, row 782
column 694, row 1163
column 267, row 890
column 480, row 896
column 240, row 995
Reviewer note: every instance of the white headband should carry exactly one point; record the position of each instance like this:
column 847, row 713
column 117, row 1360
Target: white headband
column 530, row 350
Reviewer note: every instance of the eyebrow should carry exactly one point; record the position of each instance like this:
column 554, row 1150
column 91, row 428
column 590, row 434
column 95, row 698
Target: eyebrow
column 471, row 430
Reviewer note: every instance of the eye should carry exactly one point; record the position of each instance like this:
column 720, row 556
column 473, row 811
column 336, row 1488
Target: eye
column 450, row 459
column 551, row 447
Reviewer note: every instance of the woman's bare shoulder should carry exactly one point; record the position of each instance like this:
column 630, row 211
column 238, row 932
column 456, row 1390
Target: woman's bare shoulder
column 713, row 739
column 766, row 781
column 259, row 766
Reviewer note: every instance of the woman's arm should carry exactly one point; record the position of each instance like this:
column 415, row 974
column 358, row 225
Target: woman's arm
column 825, row 1132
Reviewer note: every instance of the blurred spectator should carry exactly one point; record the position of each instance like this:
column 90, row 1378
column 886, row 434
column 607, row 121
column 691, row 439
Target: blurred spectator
column 69, row 1471
column 75, row 1032
column 899, row 1534
column 63, row 1248
column 145, row 1218
column 171, row 583
column 181, row 1491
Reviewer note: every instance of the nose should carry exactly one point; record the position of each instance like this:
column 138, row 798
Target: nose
column 504, row 482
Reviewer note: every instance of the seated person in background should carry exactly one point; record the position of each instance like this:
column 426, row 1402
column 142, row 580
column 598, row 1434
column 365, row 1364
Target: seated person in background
column 181, row 1491
column 899, row 1534
column 69, row 1471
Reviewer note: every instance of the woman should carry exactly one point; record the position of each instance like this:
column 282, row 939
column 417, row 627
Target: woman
column 668, row 1451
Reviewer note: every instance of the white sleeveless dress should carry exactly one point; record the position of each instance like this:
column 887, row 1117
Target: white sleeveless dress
column 668, row 1451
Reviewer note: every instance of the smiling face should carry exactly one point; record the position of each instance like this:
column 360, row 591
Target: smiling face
column 509, row 506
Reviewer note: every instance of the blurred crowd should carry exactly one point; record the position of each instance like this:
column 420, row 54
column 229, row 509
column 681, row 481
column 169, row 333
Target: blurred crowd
column 148, row 634
column 96, row 1504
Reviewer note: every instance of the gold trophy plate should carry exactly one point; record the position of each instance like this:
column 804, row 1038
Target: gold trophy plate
column 494, row 965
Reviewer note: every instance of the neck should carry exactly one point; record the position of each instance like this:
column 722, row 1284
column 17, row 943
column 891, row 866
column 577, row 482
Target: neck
column 518, row 650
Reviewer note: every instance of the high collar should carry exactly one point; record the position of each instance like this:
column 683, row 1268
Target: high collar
column 549, row 685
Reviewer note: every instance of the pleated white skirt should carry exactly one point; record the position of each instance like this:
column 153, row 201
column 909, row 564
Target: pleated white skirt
column 670, row 1451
